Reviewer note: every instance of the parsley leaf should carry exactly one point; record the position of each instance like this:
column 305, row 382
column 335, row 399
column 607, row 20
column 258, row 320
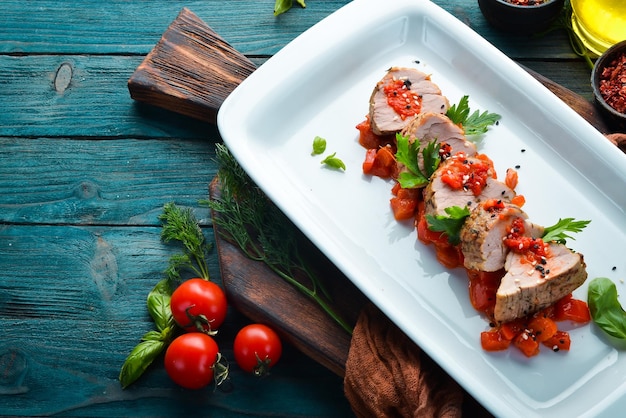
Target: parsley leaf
column 451, row 224
column 408, row 154
column 475, row 123
column 558, row 231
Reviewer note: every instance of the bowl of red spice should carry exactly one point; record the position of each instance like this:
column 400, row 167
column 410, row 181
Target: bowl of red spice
column 608, row 80
column 521, row 16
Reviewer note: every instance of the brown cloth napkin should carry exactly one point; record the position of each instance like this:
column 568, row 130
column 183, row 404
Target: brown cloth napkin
column 387, row 375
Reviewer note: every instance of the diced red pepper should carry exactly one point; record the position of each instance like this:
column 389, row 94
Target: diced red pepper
column 511, row 329
column 493, row 341
column 368, row 139
column 380, row 162
column 543, row 328
column 518, row 200
column 572, row 309
column 511, row 178
column 482, row 289
column 559, row 341
column 403, row 209
column 526, row 343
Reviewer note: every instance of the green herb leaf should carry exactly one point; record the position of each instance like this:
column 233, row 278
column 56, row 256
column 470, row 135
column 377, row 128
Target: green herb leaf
column 451, row 225
column 180, row 225
column 473, row 124
column 158, row 302
column 558, row 232
column 319, row 145
column 459, row 112
column 605, row 308
column 334, row 162
column 281, row 6
column 245, row 216
column 408, row 154
column 153, row 343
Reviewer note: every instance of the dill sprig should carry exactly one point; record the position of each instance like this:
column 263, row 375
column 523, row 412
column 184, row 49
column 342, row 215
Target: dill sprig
column 262, row 232
column 181, row 225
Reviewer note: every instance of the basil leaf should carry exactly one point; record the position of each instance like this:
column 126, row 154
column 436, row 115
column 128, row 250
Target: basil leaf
column 159, row 305
column 152, row 344
column 319, row 145
column 334, row 162
column 605, row 308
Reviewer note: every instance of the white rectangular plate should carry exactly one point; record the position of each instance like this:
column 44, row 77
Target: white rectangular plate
column 319, row 85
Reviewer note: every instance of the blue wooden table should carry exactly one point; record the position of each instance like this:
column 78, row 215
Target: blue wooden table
column 84, row 174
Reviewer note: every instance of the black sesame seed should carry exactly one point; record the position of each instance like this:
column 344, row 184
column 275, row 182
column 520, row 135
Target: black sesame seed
column 517, row 166
column 523, row 150
column 614, row 268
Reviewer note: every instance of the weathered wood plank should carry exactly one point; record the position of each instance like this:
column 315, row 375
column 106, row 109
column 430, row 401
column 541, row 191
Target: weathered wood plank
column 116, row 182
column 96, row 101
column 93, row 100
column 73, row 306
column 190, row 71
column 134, row 28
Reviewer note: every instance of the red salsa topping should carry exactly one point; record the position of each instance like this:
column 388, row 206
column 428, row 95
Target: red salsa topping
column 534, row 249
column 465, row 174
column 613, row 83
column 400, row 98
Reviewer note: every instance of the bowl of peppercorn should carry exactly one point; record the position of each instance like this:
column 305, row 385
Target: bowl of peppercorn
column 521, row 16
column 608, row 80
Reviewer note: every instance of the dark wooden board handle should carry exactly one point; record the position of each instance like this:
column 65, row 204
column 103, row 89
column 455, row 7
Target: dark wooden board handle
column 190, row 71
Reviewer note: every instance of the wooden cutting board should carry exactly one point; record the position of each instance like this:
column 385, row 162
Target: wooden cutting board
column 191, row 71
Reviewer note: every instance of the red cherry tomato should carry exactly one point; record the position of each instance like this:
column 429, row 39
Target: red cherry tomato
column 189, row 360
column 198, row 304
column 257, row 348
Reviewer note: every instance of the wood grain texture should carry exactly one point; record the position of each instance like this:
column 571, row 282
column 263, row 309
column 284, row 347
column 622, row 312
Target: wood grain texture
column 117, row 182
column 190, row 71
column 74, row 307
column 264, row 297
column 134, row 27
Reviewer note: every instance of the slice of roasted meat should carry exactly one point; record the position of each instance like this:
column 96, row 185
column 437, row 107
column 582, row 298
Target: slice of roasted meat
column 528, row 287
column 430, row 126
column 400, row 96
column 483, row 232
column 443, row 192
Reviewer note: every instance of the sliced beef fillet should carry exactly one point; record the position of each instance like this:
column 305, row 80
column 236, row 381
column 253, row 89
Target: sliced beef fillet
column 439, row 195
column 419, row 93
column 527, row 288
column 483, row 232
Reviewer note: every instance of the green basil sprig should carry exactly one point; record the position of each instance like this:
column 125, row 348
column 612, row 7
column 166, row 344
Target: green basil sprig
column 605, row 308
column 153, row 342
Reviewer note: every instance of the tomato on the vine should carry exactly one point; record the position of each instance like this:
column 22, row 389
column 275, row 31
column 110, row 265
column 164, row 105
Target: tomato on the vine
column 198, row 305
column 190, row 360
column 257, row 348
